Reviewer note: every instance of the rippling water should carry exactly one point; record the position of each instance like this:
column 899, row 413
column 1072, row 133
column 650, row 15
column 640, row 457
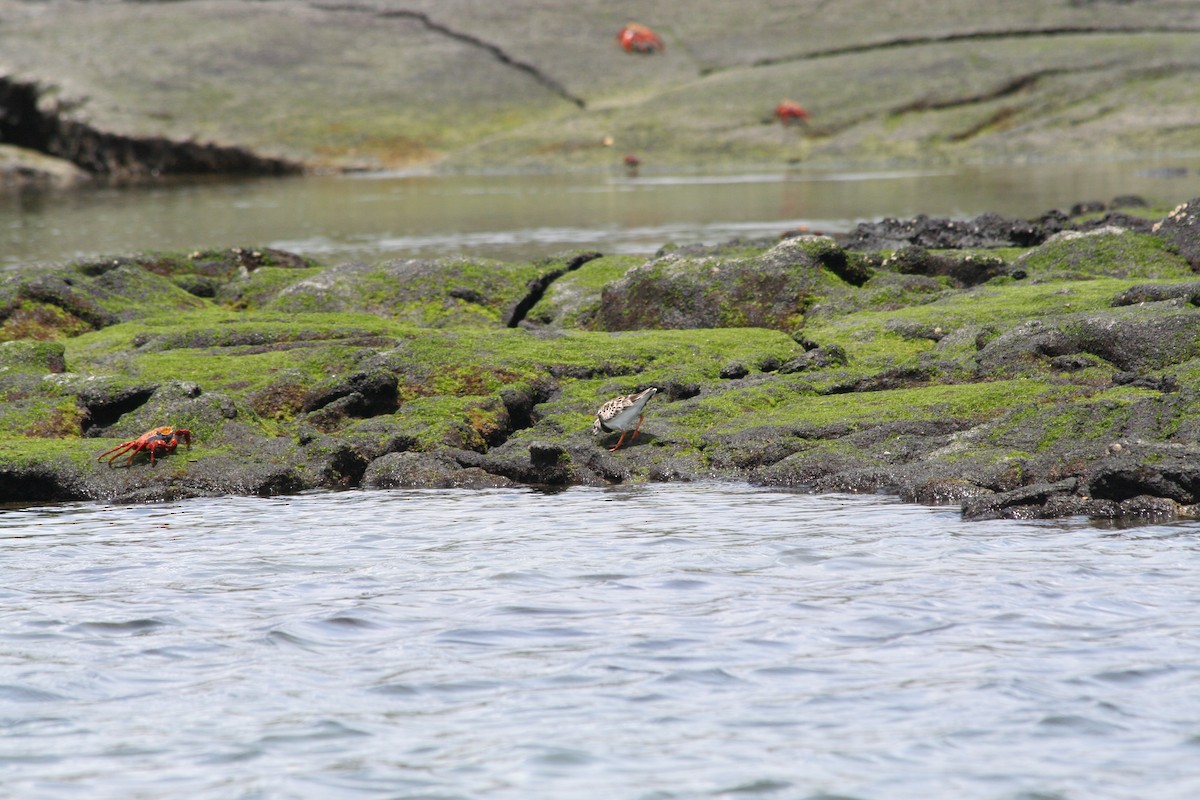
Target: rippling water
column 672, row 641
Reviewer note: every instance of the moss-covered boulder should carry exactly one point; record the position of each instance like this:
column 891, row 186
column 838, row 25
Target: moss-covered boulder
column 1110, row 251
column 433, row 293
column 30, row 355
column 47, row 306
column 201, row 272
column 1134, row 339
column 64, row 301
column 770, row 290
column 33, row 405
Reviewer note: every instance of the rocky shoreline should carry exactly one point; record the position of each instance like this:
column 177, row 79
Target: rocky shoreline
column 1017, row 368
column 228, row 87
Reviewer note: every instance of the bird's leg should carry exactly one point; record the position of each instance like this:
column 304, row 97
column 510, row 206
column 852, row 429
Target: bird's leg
column 618, row 447
column 638, row 428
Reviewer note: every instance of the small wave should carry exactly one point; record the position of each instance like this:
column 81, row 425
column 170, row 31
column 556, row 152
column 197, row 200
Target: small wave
column 133, row 627
column 27, row 694
column 706, row 677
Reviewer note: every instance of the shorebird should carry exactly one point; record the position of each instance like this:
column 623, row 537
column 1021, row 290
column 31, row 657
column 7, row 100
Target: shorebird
column 622, row 414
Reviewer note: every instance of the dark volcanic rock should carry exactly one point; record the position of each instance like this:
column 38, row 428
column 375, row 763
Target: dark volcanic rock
column 537, row 462
column 38, row 483
column 969, row 270
column 734, row 371
column 374, row 392
column 1158, row 383
column 942, row 491
column 1182, row 229
column 170, row 402
column 1116, row 219
column 1026, row 502
column 438, row 470
column 1158, row 292
column 932, row 233
column 817, row 358
column 107, row 402
column 1140, row 469
column 677, row 390
column 1137, row 343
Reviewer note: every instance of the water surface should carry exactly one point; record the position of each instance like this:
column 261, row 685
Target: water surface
column 670, row 641
column 527, row 216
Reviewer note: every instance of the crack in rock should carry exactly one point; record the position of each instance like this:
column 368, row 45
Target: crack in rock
column 474, row 41
column 1007, row 89
column 538, row 286
column 950, row 38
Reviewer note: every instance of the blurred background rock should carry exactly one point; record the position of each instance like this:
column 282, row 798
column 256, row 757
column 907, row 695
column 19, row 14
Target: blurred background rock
column 278, row 86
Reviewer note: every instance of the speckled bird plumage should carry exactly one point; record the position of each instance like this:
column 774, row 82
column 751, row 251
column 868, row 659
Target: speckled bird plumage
column 623, row 414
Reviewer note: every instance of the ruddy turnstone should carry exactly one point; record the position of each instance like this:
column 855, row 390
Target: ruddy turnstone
column 622, row 414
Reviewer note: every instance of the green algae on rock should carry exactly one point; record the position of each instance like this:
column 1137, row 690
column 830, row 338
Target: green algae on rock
column 772, row 289
column 1030, row 381
column 444, row 292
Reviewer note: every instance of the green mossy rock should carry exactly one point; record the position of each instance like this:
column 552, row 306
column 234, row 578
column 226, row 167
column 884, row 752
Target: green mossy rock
column 28, row 355
column 1059, row 379
column 770, row 290
column 433, row 293
column 1107, row 251
column 574, row 300
column 88, row 295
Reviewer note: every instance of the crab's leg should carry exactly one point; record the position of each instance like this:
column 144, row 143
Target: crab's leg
column 137, row 449
column 116, row 451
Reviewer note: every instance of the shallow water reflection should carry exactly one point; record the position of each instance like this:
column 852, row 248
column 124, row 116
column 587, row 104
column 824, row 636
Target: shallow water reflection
column 526, row 216
column 658, row 642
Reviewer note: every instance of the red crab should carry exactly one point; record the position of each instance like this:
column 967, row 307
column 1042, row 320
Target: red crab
column 158, row 441
column 789, row 111
column 635, row 38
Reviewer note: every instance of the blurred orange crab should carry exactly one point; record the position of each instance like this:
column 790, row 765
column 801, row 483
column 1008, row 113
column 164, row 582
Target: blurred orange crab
column 789, row 111
column 635, row 38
